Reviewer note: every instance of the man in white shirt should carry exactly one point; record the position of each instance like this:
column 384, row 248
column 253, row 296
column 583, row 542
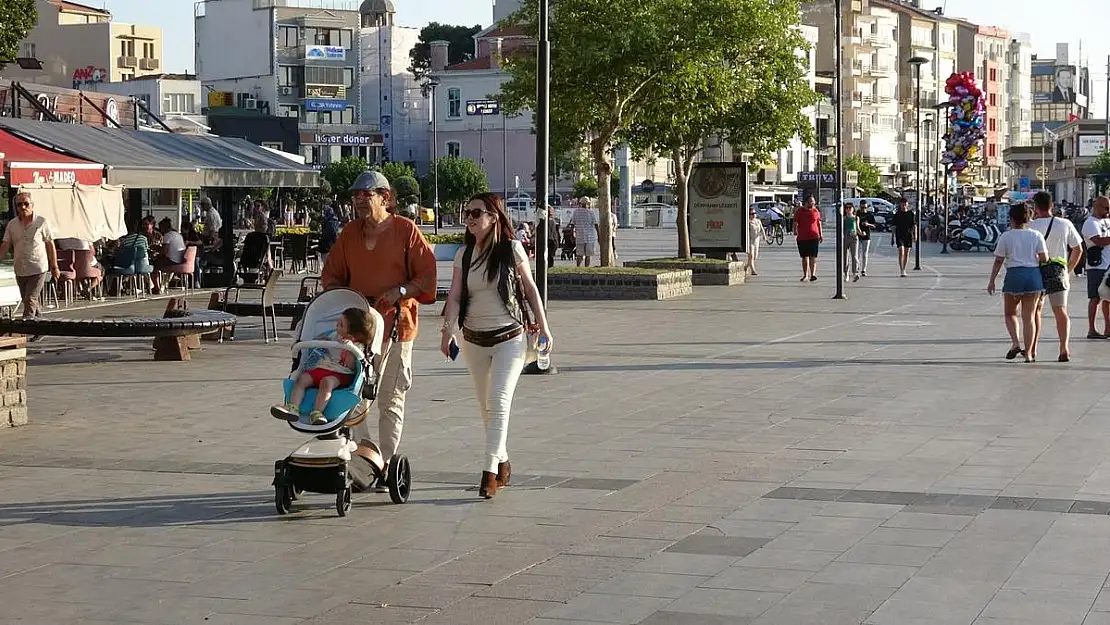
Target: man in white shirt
column 586, row 232
column 1063, row 242
column 173, row 250
column 1096, row 234
column 212, row 220
column 32, row 240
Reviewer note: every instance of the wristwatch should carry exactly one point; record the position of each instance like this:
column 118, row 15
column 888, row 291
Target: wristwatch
column 403, row 291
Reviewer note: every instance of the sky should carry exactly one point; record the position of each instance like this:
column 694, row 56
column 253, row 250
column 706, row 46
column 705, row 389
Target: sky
column 1071, row 21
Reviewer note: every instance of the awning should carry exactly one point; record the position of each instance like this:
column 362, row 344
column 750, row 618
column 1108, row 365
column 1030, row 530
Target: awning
column 169, row 160
column 27, row 163
column 86, row 212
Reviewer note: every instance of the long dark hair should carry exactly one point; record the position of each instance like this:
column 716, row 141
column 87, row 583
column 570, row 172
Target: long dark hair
column 497, row 249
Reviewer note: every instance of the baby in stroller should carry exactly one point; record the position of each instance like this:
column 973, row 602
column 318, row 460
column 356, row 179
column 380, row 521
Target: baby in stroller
column 569, row 244
column 328, row 369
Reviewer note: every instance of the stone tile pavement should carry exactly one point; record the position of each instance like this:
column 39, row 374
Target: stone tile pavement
column 751, row 455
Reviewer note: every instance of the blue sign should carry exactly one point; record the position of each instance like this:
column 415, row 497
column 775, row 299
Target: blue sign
column 1023, row 184
column 331, row 53
column 325, row 105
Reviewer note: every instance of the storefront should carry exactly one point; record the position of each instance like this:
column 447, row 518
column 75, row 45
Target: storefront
column 330, row 143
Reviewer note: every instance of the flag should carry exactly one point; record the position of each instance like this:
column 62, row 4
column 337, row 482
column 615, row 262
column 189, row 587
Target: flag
column 1072, row 117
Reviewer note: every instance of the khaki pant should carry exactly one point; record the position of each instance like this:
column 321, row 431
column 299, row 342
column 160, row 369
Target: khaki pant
column 30, row 290
column 396, row 381
column 495, row 372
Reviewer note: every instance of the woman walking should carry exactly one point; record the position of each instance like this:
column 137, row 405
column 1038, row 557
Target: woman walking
column 852, row 235
column 492, row 294
column 755, row 235
column 1022, row 250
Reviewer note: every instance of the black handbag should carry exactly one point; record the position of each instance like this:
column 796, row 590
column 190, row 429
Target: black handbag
column 1052, row 274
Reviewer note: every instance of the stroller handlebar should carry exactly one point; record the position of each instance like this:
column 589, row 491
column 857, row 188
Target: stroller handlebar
column 317, row 343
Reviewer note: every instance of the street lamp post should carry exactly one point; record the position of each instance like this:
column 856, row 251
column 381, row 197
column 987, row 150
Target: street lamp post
column 837, row 208
column 431, row 86
column 928, row 173
column 943, row 107
column 917, row 62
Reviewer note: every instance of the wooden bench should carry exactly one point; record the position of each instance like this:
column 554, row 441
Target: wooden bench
column 174, row 334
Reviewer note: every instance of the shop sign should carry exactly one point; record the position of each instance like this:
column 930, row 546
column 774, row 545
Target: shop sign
column 68, row 105
column 325, row 91
column 325, row 53
column 325, row 105
column 89, row 75
column 60, row 175
column 340, row 138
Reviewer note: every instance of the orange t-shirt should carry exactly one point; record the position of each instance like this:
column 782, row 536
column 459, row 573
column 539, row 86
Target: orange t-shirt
column 374, row 272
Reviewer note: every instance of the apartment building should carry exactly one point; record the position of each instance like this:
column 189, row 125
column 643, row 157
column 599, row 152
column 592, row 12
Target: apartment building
column 1018, row 123
column 1061, row 89
column 175, row 99
column 872, row 64
column 984, row 51
column 293, row 58
column 81, row 46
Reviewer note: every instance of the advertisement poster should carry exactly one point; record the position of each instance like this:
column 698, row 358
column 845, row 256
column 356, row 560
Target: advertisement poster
column 718, row 205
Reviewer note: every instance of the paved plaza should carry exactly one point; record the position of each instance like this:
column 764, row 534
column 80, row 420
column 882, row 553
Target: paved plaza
column 751, row 455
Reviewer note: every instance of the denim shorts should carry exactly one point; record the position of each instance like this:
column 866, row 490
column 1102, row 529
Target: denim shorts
column 1022, row 281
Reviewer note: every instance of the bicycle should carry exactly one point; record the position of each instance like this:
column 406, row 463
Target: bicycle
column 774, row 231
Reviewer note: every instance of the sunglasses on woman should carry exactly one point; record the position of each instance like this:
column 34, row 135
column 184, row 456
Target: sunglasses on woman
column 474, row 213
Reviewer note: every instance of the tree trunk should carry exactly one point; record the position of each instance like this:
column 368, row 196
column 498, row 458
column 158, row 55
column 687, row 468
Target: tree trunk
column 603, row 166
column 681, row 193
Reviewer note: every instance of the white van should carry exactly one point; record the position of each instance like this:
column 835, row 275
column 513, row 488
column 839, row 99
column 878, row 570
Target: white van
column 521, row 209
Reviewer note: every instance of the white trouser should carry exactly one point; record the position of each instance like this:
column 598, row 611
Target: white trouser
column 396, row 381
column 864, row 253
column 495, row 372
column 851, row 251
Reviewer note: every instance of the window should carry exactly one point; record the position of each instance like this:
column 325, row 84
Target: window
column 127, row 76
column 454, row 102
column 346, row 116
column 179, row 103
column 319, row 75
column 28, row 50
column 289, row 76
column 273, row 145
column 790, row 161
column 991, row 126
column 993, row 75
column 288, row 36
column 148, row 49
column 345, row 38
column 326, row 37
column 348, row 77
column 454, row 148
column 993, row 100
column 288, row 110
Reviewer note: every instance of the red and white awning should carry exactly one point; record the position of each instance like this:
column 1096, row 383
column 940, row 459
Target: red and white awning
column 27, row 163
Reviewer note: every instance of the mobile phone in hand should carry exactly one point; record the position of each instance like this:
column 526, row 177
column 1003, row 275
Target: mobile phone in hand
column 453, row 350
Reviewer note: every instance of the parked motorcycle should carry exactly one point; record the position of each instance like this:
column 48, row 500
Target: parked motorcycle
column 978, row 235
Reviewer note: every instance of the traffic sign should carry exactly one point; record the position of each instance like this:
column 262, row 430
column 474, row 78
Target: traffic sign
column 647, row 186
column 1042, row 173
column 1023, row 183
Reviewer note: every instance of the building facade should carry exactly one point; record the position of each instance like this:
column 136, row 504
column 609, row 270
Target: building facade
column 1018, row 123
column 1061, row 92
column 984, row 51
column 80, row 47
column 176, row 99
column 292, row 58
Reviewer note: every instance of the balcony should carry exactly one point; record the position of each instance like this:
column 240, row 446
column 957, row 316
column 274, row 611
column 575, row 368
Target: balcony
column 880, row 41
column 127, row 61
column 879, row 70
column 149, row 64
column 884, row 99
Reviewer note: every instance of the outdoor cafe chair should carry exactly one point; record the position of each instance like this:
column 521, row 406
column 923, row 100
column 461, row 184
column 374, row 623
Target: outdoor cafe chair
column 87, row 272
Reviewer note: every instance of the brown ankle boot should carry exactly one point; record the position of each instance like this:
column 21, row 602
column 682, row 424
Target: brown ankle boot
column 488, row 487
column 504, row 472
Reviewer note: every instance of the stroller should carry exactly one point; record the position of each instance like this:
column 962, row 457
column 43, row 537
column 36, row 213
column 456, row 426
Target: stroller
column 333, row 462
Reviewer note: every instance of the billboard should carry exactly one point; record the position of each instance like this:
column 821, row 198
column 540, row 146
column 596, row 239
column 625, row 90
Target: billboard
column 718, row 210
column 325, row 53
column 1091, row 145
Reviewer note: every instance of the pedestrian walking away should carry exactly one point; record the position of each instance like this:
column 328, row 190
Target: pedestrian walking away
column 755, row 235
column 867, row 225
column 495, row 304
column 31, row 239
column 904, row 233
column 809, row 233
column 1065, row 250
column 1022, row 250
column 1096, row 236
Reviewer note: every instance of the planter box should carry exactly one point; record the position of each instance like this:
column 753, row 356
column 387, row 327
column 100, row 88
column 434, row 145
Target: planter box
column 13, row 381
column 704, row 274
column 595, row 285
column 445, row 252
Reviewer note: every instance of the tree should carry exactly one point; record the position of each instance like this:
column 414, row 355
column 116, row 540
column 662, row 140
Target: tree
column 459, row 180
column 745, row 85
column 17, row 18
column 1101, row 170
column 392, row 171
column 407, row 189
column 460, row 46
column 586, row 187
column 608, row 58
column 870, row 177
column 341, row 174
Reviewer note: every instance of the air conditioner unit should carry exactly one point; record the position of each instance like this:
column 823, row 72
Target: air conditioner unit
column 250, row 103
column 285, row 90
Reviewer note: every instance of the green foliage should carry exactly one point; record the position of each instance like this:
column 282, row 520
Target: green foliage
column 870, row 177
column 460, row 41
column 341, row 174
column 446, row 239
column 586, row 187
column 1101, row 170
column 262, row 193
column 459, row 180
column 392, row 171
column 17, row 18
column 407, row 190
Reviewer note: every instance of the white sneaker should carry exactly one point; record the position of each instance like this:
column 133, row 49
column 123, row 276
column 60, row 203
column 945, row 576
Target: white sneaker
column 903, row 274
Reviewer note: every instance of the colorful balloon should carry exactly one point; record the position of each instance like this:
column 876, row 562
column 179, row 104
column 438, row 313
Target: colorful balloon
column 966, row 114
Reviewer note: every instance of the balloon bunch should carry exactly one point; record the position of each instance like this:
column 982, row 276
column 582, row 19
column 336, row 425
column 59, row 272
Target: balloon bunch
column 967, row 114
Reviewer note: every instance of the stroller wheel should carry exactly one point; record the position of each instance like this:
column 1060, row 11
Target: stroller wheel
column 295, row 493
column 283, row 497
column 343, row 501
column 399, row 479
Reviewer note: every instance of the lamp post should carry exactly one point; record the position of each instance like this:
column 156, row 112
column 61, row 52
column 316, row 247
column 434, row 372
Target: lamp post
column 430, row 86
column 943, row 107
column 839, row 225
column 927, row 123
column 917, row 62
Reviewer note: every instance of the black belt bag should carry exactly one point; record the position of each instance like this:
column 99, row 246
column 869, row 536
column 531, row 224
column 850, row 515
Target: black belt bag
column 492, row 338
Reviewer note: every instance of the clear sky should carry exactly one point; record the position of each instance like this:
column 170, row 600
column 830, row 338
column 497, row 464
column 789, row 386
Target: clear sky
column 1069, row 21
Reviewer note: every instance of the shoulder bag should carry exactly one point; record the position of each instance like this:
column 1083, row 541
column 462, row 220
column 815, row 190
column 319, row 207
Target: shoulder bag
column 1052, row 273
